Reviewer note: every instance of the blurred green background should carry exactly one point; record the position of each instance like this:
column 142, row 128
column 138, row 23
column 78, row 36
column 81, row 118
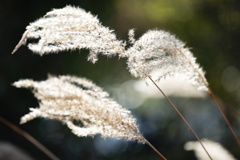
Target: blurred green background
column 211, row 28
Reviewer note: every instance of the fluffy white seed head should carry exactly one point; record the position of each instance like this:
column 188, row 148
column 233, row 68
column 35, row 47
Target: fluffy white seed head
column 215, row 149
column 161, row 52
column 83, row 106
column 71, row 28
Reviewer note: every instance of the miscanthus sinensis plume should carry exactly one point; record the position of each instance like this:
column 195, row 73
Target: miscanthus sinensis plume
column 70, row 28
column 159, row 51
column 83, row 106
column 162, row 52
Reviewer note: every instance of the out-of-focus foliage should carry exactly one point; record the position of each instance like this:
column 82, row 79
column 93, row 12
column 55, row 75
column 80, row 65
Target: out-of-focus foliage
column 211, row 28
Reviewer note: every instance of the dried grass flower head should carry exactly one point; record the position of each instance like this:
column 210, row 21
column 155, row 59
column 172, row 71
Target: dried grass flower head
column 161, row 51
column 71, row 28
column 84, row 107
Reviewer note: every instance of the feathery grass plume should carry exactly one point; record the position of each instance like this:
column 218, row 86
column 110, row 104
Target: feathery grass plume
column 162, row 52
column 217, row 151
column 83, row 106
column 71, row 99
column 71, row 28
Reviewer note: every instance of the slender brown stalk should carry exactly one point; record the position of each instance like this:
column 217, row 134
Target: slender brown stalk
column 152, row 147
column 145, row 141
column 181, row 116
column 29, row 138
column 216, row 102
column 155, row 150
column 233, row 111
column 224, row 116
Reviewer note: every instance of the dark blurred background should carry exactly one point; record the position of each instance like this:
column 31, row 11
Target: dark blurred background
column 211, row 28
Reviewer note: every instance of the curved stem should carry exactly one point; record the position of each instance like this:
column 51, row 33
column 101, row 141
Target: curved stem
column 214, row 98
column 181, row 116
column 233, row 111
column 224, row 116
column 29, row 138
column 153, row 148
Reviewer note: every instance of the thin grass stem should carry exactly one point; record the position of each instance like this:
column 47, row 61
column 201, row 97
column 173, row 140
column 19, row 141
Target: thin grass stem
column 233, row 111
column 224, row 116
column 29, row 138
column 154, row 149
column 217, row 103
column 181, row 116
